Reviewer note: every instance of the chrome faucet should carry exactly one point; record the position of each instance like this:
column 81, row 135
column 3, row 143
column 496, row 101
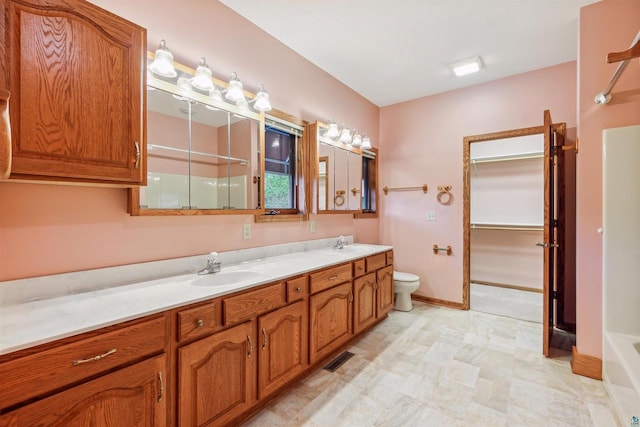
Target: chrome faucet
column 340, row 243
column 213, row 264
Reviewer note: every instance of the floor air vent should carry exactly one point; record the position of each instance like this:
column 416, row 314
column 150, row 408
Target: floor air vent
column 339, row 361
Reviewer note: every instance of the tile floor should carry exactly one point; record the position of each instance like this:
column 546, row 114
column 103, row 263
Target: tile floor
column 514, row 303
column 435, row 366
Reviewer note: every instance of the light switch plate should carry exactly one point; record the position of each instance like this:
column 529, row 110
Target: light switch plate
column 431, row 215
column 246, row 231
column 312, row 226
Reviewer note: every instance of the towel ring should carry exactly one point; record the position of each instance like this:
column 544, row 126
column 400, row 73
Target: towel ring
column 444, row 196
column 339, row 198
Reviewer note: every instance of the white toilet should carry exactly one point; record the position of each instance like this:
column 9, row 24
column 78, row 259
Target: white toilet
column 403, row 285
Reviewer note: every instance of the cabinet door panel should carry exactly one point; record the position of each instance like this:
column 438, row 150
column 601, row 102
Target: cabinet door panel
column 217, row 377
column 283, row 346
column 133, row 396
column 331, row 320
column 364, row 290
column 385, row 290
column 77, row 86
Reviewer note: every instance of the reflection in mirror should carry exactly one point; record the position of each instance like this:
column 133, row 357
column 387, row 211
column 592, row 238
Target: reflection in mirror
column 355, row 181
column 341, row 179
column 323, row 182
column 199, row 157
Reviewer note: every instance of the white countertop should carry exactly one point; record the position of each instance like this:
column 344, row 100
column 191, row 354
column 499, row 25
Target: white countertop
column 25, row 324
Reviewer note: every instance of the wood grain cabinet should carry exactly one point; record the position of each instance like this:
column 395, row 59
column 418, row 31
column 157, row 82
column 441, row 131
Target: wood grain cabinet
column 283, row 337
column 134, row 396
column 385, row 290
column 365, row 313
column 331, row 320
column 217, row 376
column 77, row 82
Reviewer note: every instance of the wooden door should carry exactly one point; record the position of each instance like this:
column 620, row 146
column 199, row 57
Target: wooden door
column 331, row 320
column 77, row 82
column 217, row 377
column 365, row 303
column 282, row 337
column 133, row 396
column 549, row 243
column 385, row 290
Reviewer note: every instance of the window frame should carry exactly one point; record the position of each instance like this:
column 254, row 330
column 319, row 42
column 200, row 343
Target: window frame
column 301, row 211
column 372, row 181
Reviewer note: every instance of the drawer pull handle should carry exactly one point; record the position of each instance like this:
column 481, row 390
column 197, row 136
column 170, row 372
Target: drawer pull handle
column 350, row 296
column 298, row 289
column 265, row 340
column 161, row 391
column 250, row 346
column 95, row 358
column 200, row 323
column 137, row 145
column 333, row 277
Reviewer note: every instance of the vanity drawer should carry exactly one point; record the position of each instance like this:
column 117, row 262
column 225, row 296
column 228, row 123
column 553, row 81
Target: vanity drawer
column 375, row 262
column 390, row 258
column 330, row 277
column 252, row 303
column 43, row 371
column 198, row 321
column 359, row 268
column 297, row 288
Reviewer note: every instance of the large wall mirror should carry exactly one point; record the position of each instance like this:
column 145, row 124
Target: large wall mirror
column 202, row 156
column 339, row 174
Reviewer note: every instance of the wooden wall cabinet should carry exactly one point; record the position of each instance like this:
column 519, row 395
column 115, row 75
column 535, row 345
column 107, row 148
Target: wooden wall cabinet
column 77, row 82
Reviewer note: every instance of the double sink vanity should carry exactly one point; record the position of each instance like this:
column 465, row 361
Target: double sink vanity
column 183, row 349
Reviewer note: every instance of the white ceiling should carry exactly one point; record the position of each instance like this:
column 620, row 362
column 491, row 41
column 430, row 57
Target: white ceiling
column 394, row 51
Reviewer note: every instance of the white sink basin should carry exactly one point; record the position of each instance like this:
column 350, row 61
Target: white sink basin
column 228, row 277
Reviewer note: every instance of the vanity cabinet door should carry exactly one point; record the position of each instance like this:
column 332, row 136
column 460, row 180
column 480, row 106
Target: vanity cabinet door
column 133, row 396
column 282, row 336
column 217, row 377
column 364, row 290
column 331, row 317
column 385, row 290
column 77, row 82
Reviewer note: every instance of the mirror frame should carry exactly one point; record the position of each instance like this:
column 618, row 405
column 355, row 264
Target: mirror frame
column 133, row 203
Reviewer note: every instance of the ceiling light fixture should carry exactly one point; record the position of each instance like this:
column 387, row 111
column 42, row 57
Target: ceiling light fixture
column 202, row 80
column 162, row 64
column 467, row 66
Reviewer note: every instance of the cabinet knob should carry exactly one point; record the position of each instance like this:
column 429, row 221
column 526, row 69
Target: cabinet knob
column 298, row 289
column 200, row 323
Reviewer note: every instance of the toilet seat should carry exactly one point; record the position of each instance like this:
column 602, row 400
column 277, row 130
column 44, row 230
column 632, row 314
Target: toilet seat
column 399, row 276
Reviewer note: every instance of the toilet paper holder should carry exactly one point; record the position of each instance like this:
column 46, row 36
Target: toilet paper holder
column 437, row 249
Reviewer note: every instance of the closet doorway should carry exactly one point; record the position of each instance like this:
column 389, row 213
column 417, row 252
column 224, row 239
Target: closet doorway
column 514, row 222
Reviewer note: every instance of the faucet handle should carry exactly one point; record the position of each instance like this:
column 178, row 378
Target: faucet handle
column 213, row 256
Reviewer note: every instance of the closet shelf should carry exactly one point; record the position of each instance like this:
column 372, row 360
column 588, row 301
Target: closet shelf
column 506, row 157
column 506, row 226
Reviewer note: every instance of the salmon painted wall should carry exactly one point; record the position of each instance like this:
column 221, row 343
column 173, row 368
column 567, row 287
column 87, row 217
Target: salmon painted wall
column 607, row 26
column 421, row 143
column 47, row 229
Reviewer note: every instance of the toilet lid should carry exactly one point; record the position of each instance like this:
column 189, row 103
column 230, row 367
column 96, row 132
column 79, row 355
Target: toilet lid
column 404, row 277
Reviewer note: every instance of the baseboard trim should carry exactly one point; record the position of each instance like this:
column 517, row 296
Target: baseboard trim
column 587, row 366
column 435, row 301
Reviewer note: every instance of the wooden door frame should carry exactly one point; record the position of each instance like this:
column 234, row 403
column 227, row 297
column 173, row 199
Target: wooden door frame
column 466, row 211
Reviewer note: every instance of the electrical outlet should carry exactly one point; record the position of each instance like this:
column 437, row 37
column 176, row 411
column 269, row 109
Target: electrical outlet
column 246, row 231
column 312, row 226
column 431, row 215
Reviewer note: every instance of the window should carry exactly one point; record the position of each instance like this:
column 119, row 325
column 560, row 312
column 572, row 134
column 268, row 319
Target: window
column 369, row 184
column 282, row 169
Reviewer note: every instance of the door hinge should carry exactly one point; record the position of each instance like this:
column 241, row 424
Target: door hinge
column 554, row 295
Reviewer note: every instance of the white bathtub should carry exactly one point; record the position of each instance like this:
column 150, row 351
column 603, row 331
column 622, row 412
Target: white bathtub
column 621, row 374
